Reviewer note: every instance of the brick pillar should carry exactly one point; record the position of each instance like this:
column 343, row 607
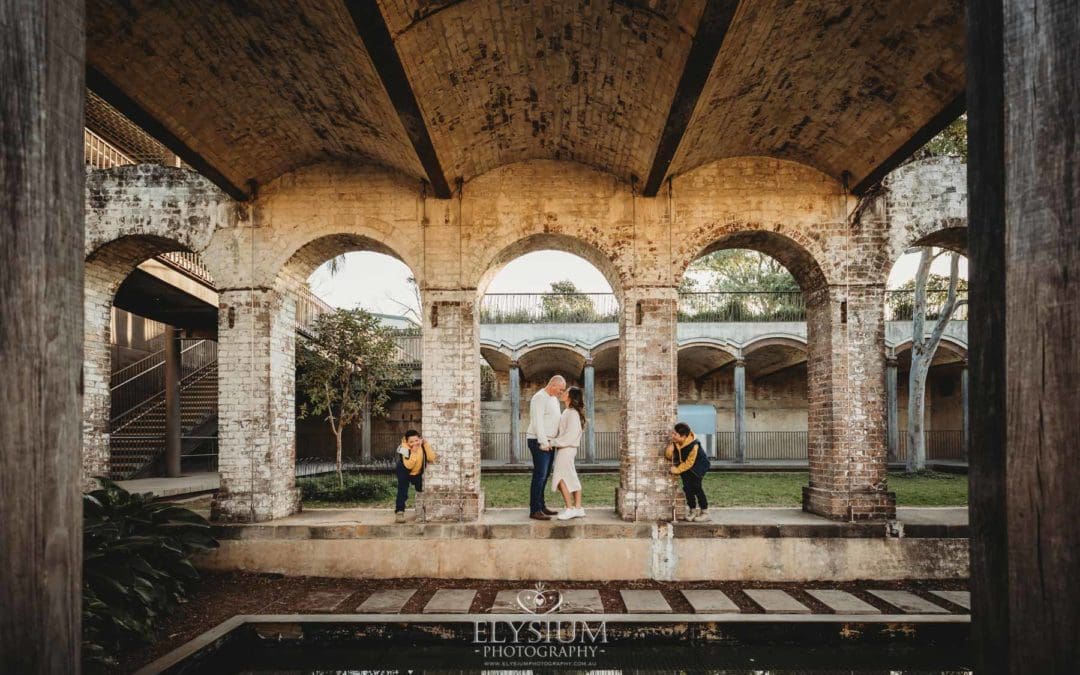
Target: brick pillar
column 648, row 401
column 256, row 410
column 451, row 406
column 96, row 370
column 846, row 382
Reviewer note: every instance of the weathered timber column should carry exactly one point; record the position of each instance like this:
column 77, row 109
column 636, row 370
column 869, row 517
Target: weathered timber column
column 740, row 410
column 892, row 410
column 451, row 406
column 1024, row 242
column 41, row 332
column 365, row 435
column 648, row 396
column 965, row 415
column 590, row 412
column 515, row 412
column 846, row 378
column 173, row 421
column 256, row 411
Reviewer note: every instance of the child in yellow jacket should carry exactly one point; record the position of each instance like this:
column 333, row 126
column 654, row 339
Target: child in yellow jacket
column 413, row 456
column 690, row 463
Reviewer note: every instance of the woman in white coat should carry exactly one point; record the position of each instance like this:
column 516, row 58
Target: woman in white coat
column 564, row 476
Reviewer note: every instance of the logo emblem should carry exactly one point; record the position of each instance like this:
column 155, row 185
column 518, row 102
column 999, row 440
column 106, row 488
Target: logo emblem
column 539, row 600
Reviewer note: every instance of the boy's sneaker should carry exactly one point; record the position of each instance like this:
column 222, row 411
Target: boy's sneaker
column 690, row 515
column 399, row 517
column 702, row 516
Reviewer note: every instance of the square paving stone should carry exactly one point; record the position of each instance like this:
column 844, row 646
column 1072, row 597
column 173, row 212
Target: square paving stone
column 962, row 598
column 645, row 602
column 389, row 601
column 909, row 603
column 775, row 601
column 710, row 602
column 450, row 601
column 506, row 603
column 322, row 601
column 843, row 602
column 581, row 601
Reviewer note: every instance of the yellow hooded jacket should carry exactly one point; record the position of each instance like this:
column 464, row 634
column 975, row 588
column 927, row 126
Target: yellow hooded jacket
column 683, row 461
column 416, row 461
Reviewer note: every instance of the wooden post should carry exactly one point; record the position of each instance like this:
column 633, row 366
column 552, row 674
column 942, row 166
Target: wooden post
column 173, row 421
column 41, row 332
column 1024, row 244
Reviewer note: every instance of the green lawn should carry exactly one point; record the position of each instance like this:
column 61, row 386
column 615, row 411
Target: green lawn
column 723, row 488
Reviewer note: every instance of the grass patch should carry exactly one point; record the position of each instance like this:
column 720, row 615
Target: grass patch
column 724, row 488
column 357, row 489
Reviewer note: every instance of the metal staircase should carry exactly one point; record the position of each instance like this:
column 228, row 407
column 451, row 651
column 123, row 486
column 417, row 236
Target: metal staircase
column 137, row 438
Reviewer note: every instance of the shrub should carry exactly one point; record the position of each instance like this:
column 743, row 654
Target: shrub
column 136, row 565
column 357, row 488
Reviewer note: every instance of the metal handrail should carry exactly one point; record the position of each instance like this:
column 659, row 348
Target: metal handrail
column 159, row 355
column 742, row 306
column 149, row 385
column 900, row 304
column 549, row 308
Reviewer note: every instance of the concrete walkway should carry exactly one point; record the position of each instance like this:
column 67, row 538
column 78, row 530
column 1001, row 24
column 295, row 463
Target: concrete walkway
column 172, row 487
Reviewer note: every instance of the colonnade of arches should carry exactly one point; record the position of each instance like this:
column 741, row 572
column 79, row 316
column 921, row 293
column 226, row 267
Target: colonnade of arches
column 256, row 332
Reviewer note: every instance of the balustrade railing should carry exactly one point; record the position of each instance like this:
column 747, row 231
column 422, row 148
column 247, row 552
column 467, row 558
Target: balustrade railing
column 900, row 305
column 100, row 154
column 143, row 382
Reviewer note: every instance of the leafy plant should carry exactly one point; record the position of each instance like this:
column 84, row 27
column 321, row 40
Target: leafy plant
column 136, row 565
column 352, row 487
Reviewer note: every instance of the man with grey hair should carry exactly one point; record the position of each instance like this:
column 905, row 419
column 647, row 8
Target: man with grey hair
column 544, row 413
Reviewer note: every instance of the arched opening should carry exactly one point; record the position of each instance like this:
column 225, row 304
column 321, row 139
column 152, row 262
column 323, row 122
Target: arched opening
column 355, row 273
column 751, row 292
column 150, row 362
column 548, row 305
column 940, row 390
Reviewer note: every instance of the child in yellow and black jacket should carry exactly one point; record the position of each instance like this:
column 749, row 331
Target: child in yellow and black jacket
column 413, row 456
column 690, row 463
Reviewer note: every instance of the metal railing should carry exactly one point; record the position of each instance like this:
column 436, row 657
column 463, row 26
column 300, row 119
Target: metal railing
column 100, row 154
column 943, row 445
column 131, row 454
column 190, row 263
column 143, row 383
column 760, row 445
column 308, row 308
column 900, row 305
column 549, row 308
column 761, row 306
column 495, row 447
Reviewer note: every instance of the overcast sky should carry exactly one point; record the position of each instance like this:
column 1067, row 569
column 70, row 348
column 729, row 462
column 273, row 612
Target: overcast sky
column 375, row 281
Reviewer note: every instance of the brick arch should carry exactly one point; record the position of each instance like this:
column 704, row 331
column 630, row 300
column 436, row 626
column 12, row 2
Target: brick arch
column 106, row 267
column 792, row 341
column 163, row 204
column 794, row 249
column 301, row 258
column 589, row 251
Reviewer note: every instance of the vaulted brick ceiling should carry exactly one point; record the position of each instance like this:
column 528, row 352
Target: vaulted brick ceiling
column 260, row 87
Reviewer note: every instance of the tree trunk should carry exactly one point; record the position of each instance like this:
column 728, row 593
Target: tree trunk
column 337, row 438
column 916, row 450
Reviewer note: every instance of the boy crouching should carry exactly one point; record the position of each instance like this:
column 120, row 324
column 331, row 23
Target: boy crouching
column 412, row 458
column 690, row 463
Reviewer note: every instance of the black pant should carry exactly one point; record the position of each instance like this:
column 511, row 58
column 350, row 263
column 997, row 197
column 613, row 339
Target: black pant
column 403, row 481
column 695, row 494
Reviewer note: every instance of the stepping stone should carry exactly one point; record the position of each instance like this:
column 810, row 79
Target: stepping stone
column 450, row 601
column 710, row 602
column 386, row 602
column 506, row 603
column 645, row 602
column 962, row 598
column 842, row 602
column 322, row 601
column 909, row 603
column 581, row 601
column 775, row 601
